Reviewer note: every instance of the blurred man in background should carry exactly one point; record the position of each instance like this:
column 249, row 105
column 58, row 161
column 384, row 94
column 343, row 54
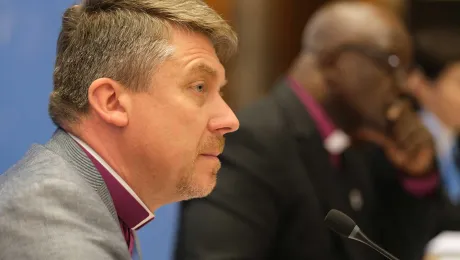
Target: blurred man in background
column 306, row 149
column 140, row 121
column 435, row 85
column 438, row 96
column 435, row 82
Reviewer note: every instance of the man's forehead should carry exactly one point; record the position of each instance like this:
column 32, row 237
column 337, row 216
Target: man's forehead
column 396, row 38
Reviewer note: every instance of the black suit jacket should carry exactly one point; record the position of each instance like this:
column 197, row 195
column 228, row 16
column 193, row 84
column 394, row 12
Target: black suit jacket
column 277, row 184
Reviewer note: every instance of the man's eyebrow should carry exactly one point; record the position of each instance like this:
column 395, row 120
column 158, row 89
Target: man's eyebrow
column 206, row 69
column 203, row 68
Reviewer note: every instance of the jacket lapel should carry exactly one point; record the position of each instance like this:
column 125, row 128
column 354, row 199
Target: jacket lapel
column 62, row 144
column 310, row 147
column 333, row 186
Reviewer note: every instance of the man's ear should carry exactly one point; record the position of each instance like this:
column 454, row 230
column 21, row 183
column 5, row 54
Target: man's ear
column 110, row 101
column 331, row 73
column 330, row 66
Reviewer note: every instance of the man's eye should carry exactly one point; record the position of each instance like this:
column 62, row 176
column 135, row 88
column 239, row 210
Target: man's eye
column 200, row 88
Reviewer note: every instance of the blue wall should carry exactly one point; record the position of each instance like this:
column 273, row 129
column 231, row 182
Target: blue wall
column 28, row 33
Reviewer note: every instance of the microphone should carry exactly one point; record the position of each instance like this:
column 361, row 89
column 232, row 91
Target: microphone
column 343, row 225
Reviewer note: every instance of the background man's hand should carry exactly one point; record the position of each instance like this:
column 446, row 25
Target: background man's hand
column 409, row 146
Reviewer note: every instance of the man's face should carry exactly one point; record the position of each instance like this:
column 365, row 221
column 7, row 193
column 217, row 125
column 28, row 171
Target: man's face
column 370, row 81
column 177, row 128
column 443, row 98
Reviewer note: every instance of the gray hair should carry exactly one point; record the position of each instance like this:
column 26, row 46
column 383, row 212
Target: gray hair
column 124, row 40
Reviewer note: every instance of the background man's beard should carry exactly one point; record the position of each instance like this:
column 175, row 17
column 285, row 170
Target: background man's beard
column 188, row 189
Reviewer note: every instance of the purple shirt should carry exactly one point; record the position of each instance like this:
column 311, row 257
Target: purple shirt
column 132, row 212
column 417, row 186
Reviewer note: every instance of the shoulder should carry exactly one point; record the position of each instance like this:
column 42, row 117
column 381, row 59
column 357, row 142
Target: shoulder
column 263, row 151
column 43, row 193
column 263, row 129
column 38, row 166
column 263, row 117
column 42, row 175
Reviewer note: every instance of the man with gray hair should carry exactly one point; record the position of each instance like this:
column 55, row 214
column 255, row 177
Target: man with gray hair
column 140, row 120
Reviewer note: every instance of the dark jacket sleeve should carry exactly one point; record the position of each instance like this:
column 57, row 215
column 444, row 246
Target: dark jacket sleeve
column 449, row 217
column 403, row 215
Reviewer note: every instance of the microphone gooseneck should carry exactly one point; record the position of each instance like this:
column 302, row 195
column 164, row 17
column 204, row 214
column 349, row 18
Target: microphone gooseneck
column 343, row 225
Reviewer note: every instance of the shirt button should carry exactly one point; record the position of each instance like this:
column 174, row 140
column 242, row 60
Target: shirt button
column 356, row 199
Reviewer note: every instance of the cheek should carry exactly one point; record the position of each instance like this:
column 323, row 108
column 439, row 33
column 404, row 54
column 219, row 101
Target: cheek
column 381, row 92
column 171, row 122
column 452, row 95
column 365, row 88
column 177, row 128
column 448, row 105
column 372, row 100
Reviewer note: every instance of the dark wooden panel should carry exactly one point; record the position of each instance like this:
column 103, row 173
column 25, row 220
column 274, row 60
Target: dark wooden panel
column 223, row 7
column 289, row 18
column 429, row 14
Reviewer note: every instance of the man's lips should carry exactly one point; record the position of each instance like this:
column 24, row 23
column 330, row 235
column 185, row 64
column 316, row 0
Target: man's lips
column 214, row 154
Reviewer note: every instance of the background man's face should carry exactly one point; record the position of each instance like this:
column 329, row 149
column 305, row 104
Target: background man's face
column 371, row 71
column 369, row 84
column 441, row 96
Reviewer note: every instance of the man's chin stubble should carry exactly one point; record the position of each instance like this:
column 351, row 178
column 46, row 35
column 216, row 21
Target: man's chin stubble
column 187, row 190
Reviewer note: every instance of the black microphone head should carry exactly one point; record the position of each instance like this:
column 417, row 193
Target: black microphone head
column 339, row 222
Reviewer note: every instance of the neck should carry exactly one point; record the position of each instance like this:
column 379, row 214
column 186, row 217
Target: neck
column 101, row 138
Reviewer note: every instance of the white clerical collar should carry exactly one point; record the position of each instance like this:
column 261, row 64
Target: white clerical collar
column 336, row 142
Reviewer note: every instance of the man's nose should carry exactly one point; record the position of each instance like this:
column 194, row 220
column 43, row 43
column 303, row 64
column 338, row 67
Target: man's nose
column 224, row 121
